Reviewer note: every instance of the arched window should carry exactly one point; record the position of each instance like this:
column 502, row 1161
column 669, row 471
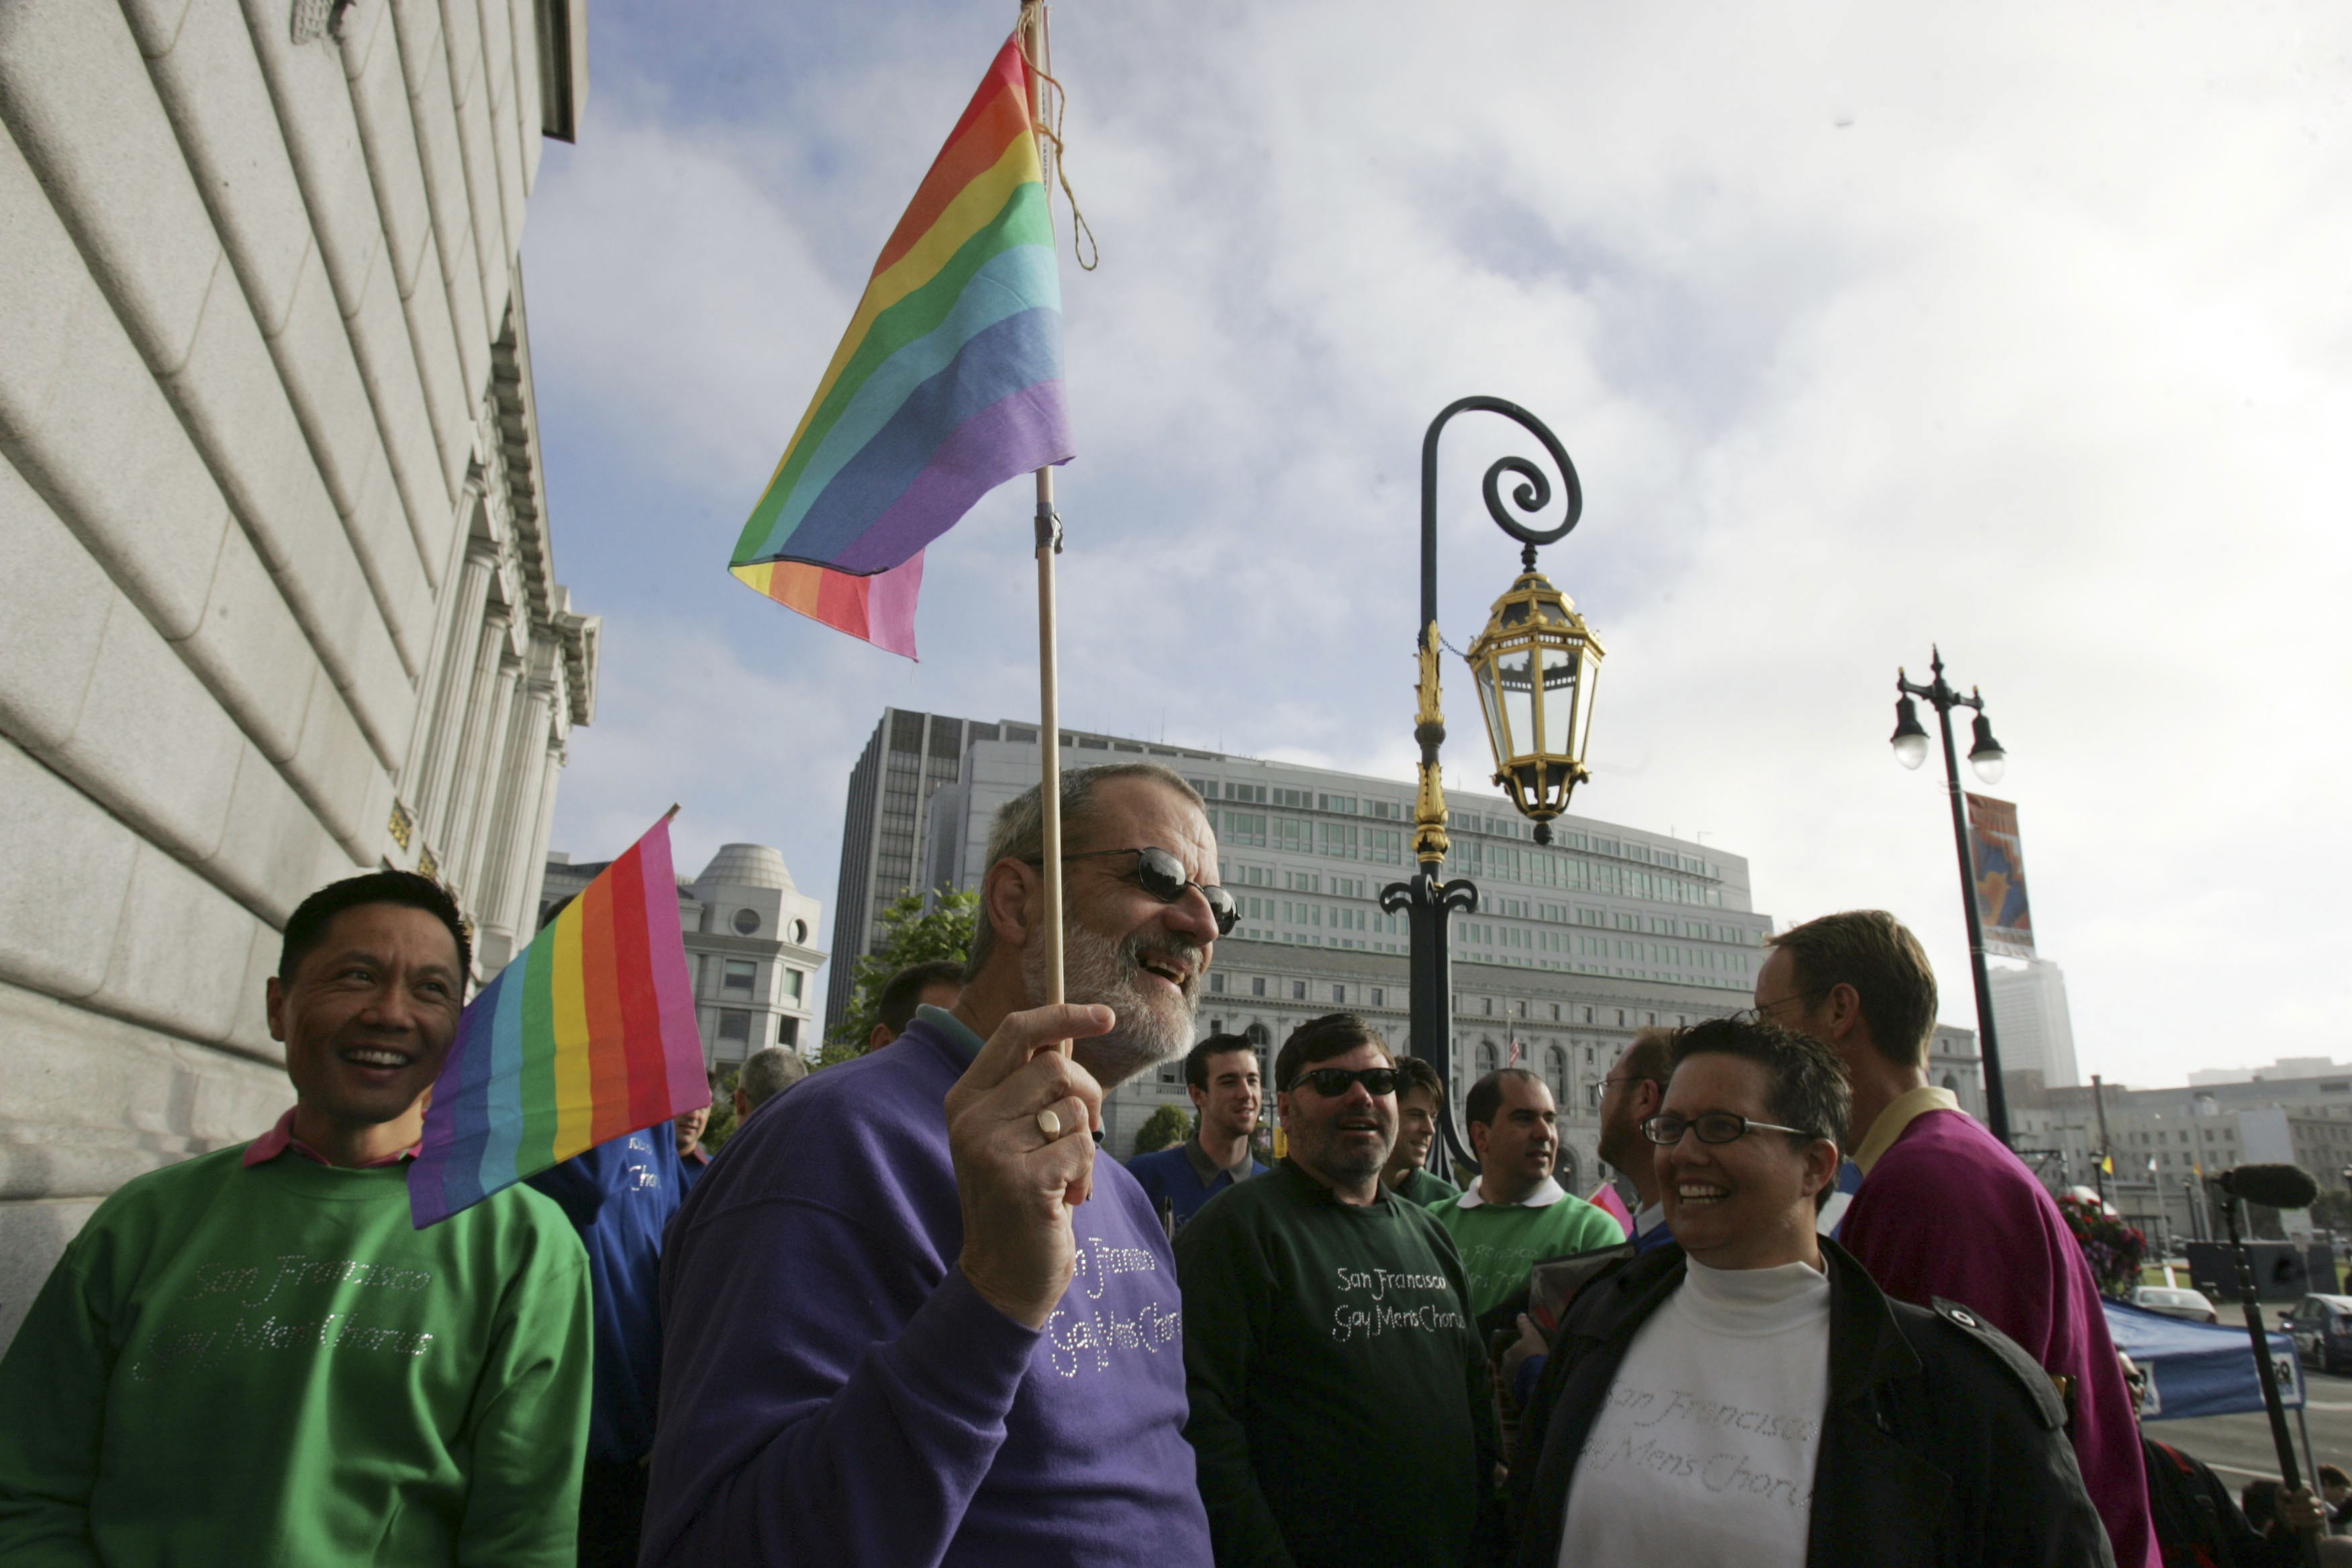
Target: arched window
column 1486, row 1057
column 1258, row 1035
column 1952, row 1082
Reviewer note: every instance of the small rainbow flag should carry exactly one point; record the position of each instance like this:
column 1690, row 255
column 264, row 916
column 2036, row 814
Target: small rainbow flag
column 1604, row 1198
column 588, row 1035
column 948, row 382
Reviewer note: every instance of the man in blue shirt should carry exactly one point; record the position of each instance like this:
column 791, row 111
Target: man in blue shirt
column 1220, row 1074
column 620, row 1195
column 1628, row 1095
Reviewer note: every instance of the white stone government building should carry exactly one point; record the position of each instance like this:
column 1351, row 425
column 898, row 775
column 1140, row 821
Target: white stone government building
column 278, row 600
column 751, row 948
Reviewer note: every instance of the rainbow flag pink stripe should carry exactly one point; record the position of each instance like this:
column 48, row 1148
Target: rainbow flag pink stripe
column 589, row 1034
column 948, row 382
column 880, row 608
column 1604, row 1198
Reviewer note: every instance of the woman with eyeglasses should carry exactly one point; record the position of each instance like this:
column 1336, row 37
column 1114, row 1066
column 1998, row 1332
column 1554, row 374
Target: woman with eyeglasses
column 1751, row 1397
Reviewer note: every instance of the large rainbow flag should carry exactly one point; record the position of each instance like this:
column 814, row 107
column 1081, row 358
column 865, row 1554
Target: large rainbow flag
column 948, row 382
column 588, row 1035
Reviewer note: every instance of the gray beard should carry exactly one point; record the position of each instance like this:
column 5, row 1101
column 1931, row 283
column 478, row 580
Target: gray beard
column 1102, row 970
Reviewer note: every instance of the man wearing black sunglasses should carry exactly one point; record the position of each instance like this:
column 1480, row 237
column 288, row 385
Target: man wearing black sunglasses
column 1340, row 1405
column 912, row 1302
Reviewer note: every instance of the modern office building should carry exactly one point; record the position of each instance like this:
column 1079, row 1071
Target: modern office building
column 1573, row 947
column 750, row 940
column 2284, row 1067
column 2163, row 1140
column 1307, row 850
column 2037, row 1033
column 906, row 761
column 278, row 599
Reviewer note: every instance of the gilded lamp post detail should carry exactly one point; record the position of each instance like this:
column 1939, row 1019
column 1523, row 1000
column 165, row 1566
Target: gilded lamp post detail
column 1534, row 665
column 1430, row 844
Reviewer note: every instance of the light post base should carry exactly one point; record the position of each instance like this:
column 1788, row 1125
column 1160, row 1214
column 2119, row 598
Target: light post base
column 1430, row 902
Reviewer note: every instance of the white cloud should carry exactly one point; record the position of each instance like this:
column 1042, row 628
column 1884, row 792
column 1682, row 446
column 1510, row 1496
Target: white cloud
column 2023, row 331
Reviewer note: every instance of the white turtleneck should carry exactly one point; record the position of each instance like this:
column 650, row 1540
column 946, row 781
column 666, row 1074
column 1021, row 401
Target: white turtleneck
column 1705, row 1450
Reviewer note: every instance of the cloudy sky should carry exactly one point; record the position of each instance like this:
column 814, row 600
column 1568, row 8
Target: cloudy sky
column 2019, row 328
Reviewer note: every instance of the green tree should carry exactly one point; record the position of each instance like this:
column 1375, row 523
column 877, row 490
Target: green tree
column 910, row 934
column 2332, row 1210
column 1164, row 1128
column 721, row 1126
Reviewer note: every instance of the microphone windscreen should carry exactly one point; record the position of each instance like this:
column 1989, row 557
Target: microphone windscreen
column 2271, row 1186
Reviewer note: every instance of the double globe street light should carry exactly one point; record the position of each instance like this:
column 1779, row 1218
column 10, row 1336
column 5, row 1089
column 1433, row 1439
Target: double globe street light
column 1986, row 756
column 1535, row 665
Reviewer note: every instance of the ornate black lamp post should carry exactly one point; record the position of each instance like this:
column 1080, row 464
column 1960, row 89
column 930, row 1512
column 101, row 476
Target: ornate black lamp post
column 1535, row 664
column 1988, row 760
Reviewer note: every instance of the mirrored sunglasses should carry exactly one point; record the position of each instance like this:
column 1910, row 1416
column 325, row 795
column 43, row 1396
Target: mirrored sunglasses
column 1161, row 875
column 1333, row 1082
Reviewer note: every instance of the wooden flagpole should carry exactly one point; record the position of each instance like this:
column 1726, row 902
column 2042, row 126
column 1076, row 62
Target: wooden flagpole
column 1049, row 544
column 1049, row 730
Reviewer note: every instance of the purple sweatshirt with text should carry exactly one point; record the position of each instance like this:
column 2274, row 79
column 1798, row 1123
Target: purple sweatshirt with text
column 835, row 1392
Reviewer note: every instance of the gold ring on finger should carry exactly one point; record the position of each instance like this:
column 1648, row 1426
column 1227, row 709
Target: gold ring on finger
column 1049, row 1123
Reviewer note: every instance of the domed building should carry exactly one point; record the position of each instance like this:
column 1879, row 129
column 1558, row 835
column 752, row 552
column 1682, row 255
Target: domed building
column 750, row 945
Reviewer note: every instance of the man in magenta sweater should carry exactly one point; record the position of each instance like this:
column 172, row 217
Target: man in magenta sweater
column 1945, row 1209
column 911, row 1317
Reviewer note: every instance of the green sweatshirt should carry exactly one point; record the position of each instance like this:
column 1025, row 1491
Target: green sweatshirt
column 1500, row 1243
column 1427, row 1190
column 1341, row 1410
column 267, row 1365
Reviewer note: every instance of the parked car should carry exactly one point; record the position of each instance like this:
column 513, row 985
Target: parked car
column 2193, row 1305
column 2322, row 1329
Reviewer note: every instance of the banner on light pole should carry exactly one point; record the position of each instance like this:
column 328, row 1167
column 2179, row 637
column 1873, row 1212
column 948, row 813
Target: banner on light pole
column 2000, row 866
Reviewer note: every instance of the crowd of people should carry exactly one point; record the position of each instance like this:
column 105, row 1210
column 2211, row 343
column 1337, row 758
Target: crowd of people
column 909, row 1314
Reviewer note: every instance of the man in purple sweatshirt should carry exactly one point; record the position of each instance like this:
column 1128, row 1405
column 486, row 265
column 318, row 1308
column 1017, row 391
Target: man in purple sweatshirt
column 1945, row 1209
column 910, row 1319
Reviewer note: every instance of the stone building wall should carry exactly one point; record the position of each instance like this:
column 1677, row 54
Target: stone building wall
column 277, row 601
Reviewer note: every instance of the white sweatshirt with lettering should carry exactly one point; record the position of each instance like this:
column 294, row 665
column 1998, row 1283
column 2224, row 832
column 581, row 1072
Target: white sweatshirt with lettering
column 1705, row 1450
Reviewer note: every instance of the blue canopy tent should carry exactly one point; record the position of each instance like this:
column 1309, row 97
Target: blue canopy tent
column 2199, row 1369
column 2204, row 1369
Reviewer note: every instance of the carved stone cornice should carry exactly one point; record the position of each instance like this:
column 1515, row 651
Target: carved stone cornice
column 511, row 447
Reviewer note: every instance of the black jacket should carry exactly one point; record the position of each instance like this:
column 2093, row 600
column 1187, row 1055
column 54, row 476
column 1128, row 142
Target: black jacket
column 2196, row 1520
column 1943, row 1443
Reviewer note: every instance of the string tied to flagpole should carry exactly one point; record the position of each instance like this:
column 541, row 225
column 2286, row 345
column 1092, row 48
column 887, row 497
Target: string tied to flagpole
column 1047, row 123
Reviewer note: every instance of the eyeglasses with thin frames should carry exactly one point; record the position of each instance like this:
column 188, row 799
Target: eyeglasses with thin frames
column 1599, row 1090
column 1712, row 1127
column 1161, row 875
column 1763, row 1011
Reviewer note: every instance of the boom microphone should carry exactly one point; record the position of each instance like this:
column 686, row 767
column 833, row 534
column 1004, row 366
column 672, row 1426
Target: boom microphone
column 2271, row 1187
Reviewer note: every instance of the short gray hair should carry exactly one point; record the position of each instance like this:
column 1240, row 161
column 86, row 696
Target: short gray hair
column 1019, row 831
column 767, row 1073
